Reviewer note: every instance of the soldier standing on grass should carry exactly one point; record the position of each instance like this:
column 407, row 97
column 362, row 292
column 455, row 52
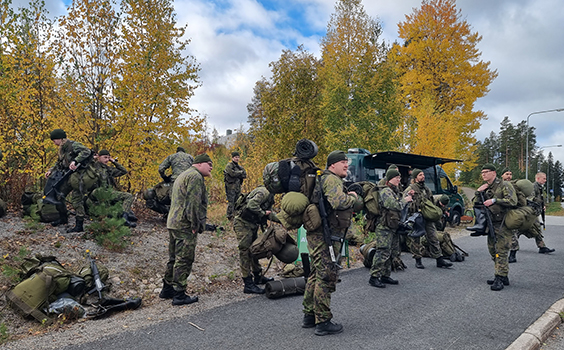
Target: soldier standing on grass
column 186, row 218
column 323, row 276
column 499, row 197
column 71, row 155
column 234, row 174
column 256, row 211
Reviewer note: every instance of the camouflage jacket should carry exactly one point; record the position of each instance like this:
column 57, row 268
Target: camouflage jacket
column 538, row 193
column 258, row 202
column 189, row 202
column 233, row 176
column 505, row 195
column 107, row 174
column 421, row 191
column 391, row 199
column 71, row 151
column 177, row 162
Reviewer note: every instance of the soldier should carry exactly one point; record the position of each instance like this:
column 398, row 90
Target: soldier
column 234, row 174
column 106, row 178
column 391, row 204
column 71, row 155
column 421, row 192
column 186, row 218
column 323, row 277
column 535, row 230
column 499, row 197
column 257, row 210
column 177, row 162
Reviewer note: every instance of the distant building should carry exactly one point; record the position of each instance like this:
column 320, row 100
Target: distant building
column 228, row 140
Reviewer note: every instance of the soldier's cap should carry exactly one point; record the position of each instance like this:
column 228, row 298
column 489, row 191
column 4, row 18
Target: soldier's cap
column 415, row 172
column 391, row 173
column 104, row 152
column 393, row 166
column 235, row 154
column 202, row 158
column 180, row 149
column 58, row 134
column 444, row 199
column 488, row 166
column 335, row 157
column 505, row 170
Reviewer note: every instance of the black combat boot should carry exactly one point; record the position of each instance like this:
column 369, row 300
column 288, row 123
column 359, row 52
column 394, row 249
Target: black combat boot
column 309, row 321
column 480, row 224
column 260, row 279
column 180, row 298
column 328, row 327
column 388, row 280
column 504, row 280
column 497, row 283
column 512, row 256
column 131, row 216
column 167, row 292
column 418, row 263
column 545, row 250
column 441, row 262
column 78, row 226
column 251, row 287
column 376, row 282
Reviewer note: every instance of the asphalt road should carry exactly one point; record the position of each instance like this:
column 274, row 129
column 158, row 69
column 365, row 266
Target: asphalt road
column 430, row 309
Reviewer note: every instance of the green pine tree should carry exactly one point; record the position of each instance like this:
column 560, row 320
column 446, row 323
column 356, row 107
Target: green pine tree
column 109, row 228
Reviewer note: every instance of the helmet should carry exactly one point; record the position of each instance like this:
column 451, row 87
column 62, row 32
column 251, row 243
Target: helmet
column 149, row 194
column 289, row 252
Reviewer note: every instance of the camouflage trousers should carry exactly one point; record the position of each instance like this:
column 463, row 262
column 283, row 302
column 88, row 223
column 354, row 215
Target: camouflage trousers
column 416, row 247
column 386, row 239
column 232, row 195
column 499, row 250
column 246, row 233
column 125, row 198
column 322, row 279
column 181, row 252
column 77, row 200
column 534, row 232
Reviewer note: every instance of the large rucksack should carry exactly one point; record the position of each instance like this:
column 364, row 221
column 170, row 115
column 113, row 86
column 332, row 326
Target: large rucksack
column 290, row 175
column 271, row 242
column 524, row 215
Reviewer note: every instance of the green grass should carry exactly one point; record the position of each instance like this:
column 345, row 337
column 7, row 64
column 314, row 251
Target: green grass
column 554, row 208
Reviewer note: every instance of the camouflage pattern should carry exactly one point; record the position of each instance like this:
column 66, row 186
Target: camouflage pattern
column 233, row 176
column 506, row 197
column 323, row 276
column 421, row 191
column 258, row 202
column 71, row 151
column 386, row 237
column 186, row 218
column 106, row 178
column 535, row 230
column 181, row 253
column 177, row 162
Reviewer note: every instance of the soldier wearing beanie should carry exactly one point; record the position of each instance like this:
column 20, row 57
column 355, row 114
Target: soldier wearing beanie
column 233, row 176
column 186, row 219
column 177, row 162
column 386, row 228
column 71, row 155
column 323, row 277
column 421, row 193
column 499, row 196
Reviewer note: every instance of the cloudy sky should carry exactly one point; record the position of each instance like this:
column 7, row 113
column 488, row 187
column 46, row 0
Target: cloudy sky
column 235, row 40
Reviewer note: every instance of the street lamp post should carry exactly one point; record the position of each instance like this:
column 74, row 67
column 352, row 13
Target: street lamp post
column 527, row 131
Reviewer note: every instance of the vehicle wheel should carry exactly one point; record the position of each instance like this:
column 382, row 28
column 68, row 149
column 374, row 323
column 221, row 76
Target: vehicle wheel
column 455, row 218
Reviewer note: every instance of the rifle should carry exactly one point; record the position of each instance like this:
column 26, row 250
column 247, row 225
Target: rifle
column 488, row 214
column 325, row 223
column 98, row 285
column 51, row 196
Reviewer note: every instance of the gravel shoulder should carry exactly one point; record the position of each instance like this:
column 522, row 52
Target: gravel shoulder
column 135, row 272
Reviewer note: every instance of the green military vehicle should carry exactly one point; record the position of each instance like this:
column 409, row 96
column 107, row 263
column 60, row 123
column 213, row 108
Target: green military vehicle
column 366, row 166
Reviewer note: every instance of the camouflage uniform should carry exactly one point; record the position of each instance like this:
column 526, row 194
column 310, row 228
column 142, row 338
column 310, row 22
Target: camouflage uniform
column 535, row 230
column 106, row 178
column 506, row 198
column 186, row 218
column 71, row 151
column 323, row 276
column 246, row 226
column 414, row 244
column 392, row 203
column 178, row 163
column 397, row 263
column 234, row 174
